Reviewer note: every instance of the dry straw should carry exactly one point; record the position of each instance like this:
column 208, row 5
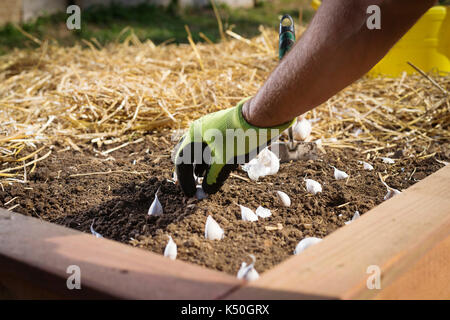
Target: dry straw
column 103, row 96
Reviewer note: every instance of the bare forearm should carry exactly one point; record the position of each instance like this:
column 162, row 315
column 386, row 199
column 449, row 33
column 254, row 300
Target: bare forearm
column 336, row 50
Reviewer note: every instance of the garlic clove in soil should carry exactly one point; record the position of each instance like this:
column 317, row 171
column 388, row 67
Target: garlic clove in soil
column 269, row 160
column 284, row 199
column 200, row 194
column 306, row 243
column 387, row 160
column 266, row 163
column 313, row 186
column 391, row 192
column 302, row 130
column 171, row 249
column 248, row 272
column 242, row 271
column 366, row 166
column 255, row 169
column 248, row 214
column 339, row 175
column 355, row 216
column 156, row 207
column 212, row 230
column 263, row 212
column 95, row 233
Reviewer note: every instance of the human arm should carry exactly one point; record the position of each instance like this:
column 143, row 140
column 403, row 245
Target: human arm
column 335, row 50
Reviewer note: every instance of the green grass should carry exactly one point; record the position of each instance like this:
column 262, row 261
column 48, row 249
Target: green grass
column 149, row 22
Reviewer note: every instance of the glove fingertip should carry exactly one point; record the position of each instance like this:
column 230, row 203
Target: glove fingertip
column 185, row 176
column 223, row 175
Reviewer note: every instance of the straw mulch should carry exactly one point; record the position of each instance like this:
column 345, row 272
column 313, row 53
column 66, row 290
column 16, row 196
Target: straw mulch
column 108, row 96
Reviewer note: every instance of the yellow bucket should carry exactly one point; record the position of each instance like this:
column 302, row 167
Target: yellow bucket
column 426, row 45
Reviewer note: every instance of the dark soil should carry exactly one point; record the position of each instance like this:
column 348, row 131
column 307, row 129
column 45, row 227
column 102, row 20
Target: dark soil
column 119, row 201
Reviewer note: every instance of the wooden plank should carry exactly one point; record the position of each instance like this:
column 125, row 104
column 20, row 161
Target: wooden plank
column 35, row 255
column 407, row 237
column 411, row 284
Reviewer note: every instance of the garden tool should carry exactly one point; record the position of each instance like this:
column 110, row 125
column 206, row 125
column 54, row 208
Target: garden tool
column 292, row 150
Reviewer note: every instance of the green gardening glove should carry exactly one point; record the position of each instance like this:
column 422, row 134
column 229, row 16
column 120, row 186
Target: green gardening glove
column 216, row 144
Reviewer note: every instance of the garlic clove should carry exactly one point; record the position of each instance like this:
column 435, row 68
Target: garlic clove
column 339, row 175
column 387, row 160
column 313, row 186
column 200, row 194
column 171, row 249
column 269, row 160
column 242, row 271
column 156, row 207
column 366, row 166
column 212, row 230
column 391, row 193
column 263, row 212
column 318, row 142
column 265, row 163
column 248, row 272
column 302, row 130
column 95, row 233
column 251, row 275
column 306, row 243
column 256, row 170
column 355, row 216
column 284, row 199
column 248, row 214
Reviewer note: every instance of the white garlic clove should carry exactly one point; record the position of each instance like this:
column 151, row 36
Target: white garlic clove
column 95, row 233
column 270, row 161
column 242, row 271
column 284, row 199
column 171, row 249
column 251, row 274
column 318, row 142
column 306, row 243
column 391, row 193
column 313, row 186
column 248, row 272
column 366, row 166
column 156, row 207
column 256, row 169
column 339, row 175
column 387, row 160
column 200, row 194
column 263, row 212
column 355, row 216
column 212, row 230
column 302, row 130
column 265, row 163
column 248, row 214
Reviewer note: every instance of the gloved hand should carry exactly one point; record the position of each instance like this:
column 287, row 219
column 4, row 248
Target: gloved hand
column 216, row 144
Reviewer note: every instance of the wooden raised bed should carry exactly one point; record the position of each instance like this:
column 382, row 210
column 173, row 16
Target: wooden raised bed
column 408, row 237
